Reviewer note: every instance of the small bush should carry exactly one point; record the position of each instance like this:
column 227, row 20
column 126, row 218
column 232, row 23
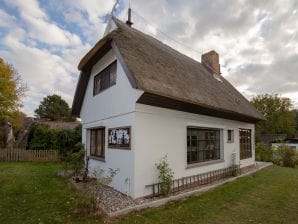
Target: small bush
column 285, row 156
column 104, row 178
column 76, row 160
column 42, row 137
column 165, row 175
column 67, row 140
column 264, row 153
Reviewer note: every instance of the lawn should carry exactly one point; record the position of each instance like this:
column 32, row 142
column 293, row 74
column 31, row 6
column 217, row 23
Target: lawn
column 33, row 193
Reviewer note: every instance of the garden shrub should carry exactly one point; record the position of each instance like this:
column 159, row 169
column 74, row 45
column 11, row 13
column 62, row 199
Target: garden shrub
column 67, row 140
column 76, row 160
column 64, row 140
column 165, row 175
column 42, row 137
column 103, row 177
column 264, row 153
column 285, row 156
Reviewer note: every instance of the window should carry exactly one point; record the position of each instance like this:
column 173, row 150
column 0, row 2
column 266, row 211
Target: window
column 230, row 136
column 97, row 142
column 245, row 143
column 105, row 78
column 202, row 145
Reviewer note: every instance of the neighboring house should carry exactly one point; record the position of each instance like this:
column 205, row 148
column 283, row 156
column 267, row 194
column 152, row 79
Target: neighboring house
column 292, row 142
column 59, row 124
column 140, row 100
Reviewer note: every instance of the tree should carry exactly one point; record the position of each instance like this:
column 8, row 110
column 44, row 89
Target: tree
column 17, row 119
column 296, row 112
column 53, row 107
column 11, row 91
column 278, row 112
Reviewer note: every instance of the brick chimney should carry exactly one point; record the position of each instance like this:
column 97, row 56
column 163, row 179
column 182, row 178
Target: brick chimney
column 211, row 61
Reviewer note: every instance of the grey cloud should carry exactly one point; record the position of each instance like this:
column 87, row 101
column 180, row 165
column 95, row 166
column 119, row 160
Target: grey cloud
column 279, row 77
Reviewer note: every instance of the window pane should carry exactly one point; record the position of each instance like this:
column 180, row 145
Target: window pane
column 97, row 142
column 96, row 84
column 92, row 142
column 113, row 72
column 245, row 143
column 105, row 80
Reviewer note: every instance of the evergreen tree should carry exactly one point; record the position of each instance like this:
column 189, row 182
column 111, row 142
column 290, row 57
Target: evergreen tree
column 53, row 107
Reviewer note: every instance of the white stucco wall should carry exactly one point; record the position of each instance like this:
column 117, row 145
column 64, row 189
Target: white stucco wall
column 113, row 107
column 160, row 132
column 114, row 101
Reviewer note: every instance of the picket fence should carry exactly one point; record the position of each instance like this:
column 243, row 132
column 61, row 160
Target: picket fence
column 21, row 155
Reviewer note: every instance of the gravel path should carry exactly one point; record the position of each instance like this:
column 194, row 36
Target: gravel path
column 107, row 198
column 111, row 200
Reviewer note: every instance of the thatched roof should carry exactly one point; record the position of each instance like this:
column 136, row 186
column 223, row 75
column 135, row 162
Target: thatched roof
column 59, row 124
column 159, row 70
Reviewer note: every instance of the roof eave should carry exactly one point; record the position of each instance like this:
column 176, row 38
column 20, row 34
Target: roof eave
column 94, row 50
column 85, row 66
column 153, row 99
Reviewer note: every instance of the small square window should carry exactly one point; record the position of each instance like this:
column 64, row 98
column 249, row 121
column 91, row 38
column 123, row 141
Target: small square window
column 230, row 136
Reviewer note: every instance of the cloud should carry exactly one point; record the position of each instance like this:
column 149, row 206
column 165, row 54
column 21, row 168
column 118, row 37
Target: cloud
column 40, row 28
column 6, row 20
column 257, row 40
column 44, row 72
column 45, row 51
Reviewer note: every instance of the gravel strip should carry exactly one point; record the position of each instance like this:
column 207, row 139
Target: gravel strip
column 111, row 200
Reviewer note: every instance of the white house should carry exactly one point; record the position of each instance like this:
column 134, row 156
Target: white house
column 140, row 100
column 291, row 142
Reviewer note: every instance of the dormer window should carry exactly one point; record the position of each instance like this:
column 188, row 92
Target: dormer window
column 105, row 79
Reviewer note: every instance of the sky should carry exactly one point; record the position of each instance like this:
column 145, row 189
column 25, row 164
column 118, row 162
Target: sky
column 257, row 41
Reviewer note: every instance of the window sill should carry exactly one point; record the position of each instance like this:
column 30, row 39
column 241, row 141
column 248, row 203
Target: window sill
column 189, row 166
column 230, row 141
column 102, row 159
column 246, row 159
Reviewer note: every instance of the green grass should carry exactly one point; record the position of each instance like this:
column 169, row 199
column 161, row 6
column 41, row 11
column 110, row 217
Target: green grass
column 269, row 196
column 33, row 193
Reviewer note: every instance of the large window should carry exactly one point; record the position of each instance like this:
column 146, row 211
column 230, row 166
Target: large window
column 105, row 78
column 245, row 143
column 202, row 144
column 97, row 142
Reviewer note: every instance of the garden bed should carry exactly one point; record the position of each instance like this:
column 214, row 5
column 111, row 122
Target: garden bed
column 113, row 203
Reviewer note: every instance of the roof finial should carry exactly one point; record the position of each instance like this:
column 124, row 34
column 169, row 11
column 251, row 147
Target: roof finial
column 128, row 21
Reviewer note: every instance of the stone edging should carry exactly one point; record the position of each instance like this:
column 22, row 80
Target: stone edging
column 163, row 201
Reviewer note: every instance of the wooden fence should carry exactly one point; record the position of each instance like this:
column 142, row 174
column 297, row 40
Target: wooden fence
column 195, row 180
column 21, row 155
